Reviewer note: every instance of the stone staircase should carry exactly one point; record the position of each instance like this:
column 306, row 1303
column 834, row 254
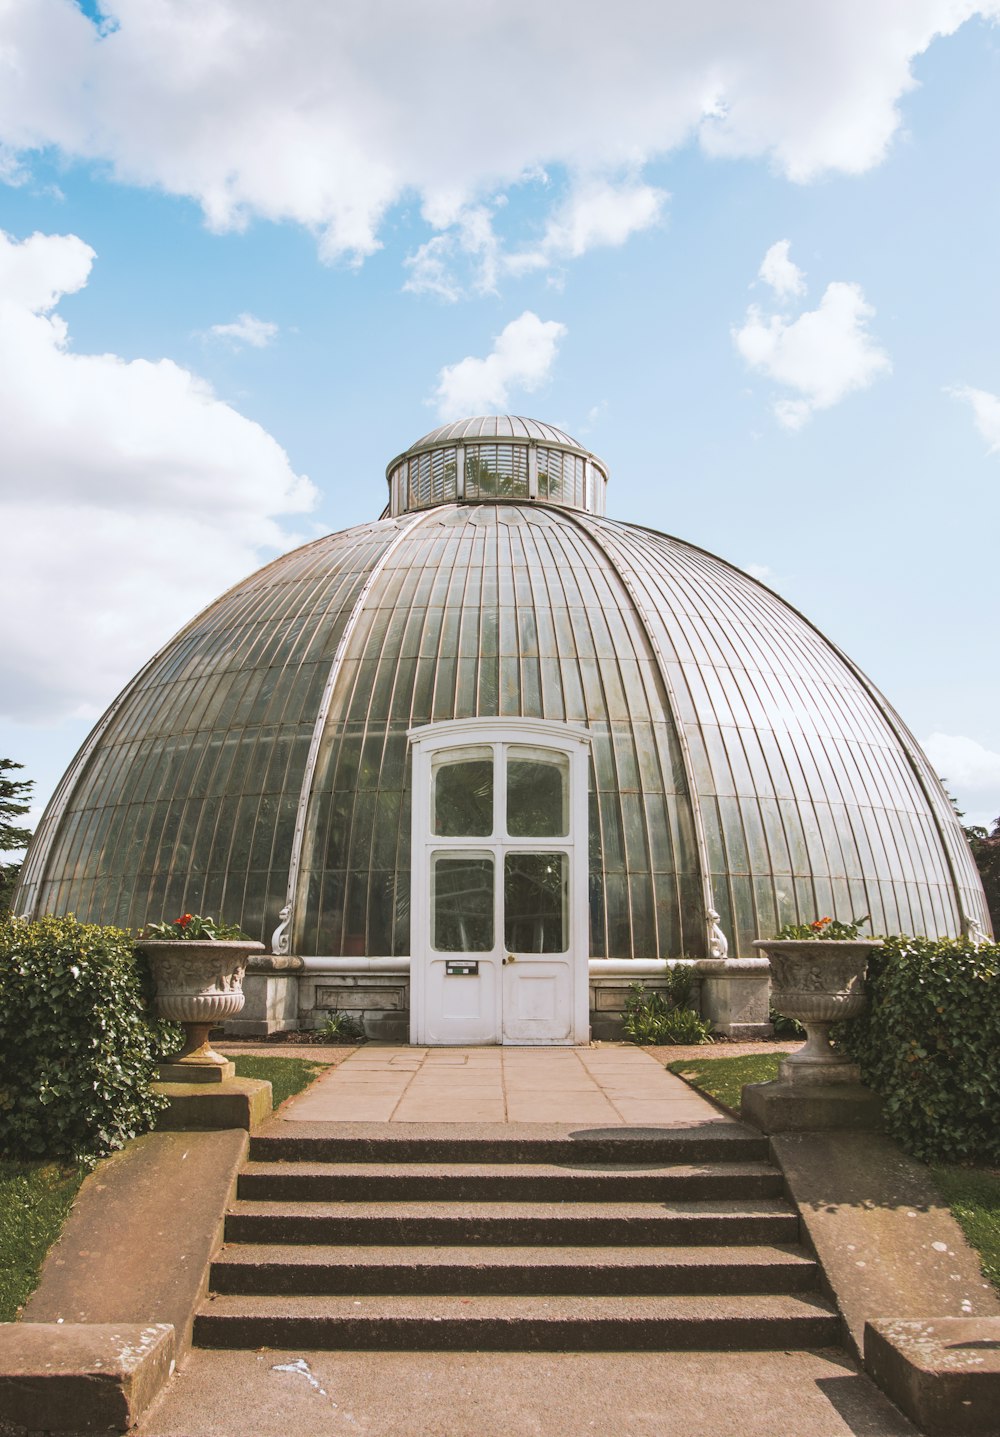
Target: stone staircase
column 521, row 1238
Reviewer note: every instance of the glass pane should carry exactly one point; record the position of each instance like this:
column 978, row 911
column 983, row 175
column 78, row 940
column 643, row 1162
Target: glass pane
column 462, row 903
column 535, row 887
column 537, row 795
column 463, row 798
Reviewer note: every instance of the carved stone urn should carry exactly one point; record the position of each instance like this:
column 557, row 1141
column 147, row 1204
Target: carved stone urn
column 819, row 981
column 199, row 983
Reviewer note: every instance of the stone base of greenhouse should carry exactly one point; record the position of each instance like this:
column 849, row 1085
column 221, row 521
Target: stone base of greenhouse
column 286, row 994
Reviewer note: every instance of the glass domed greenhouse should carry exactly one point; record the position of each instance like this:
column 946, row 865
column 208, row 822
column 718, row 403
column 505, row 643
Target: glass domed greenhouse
column 495, row 725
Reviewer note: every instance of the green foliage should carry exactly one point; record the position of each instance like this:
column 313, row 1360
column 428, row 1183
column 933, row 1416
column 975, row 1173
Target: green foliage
column 14, row 801
column 34, row 1200
column 77, row 1048
column 192, row 925
column 9, row 874
column 973, row 1194
column 785, row 1027
column 930, row 1045
column 663, row 1016
column 287, row 1076
column 340, row 1028
column 823, row 928
column 723, row 1078
column 985, row 847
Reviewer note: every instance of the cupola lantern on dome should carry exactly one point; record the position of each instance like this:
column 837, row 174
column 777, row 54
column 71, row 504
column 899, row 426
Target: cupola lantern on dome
column 496, row 741
column 496, row 457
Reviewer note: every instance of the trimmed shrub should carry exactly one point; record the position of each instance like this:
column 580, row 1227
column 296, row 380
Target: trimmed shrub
column 77, row 1048
column 930, row 1046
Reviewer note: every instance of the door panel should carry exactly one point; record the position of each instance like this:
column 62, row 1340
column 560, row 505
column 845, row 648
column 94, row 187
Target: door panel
column 537, row 1000
column 463, row 1008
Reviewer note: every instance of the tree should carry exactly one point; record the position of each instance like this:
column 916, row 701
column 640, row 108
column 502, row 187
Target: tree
column 15, row 794
column 985, row 847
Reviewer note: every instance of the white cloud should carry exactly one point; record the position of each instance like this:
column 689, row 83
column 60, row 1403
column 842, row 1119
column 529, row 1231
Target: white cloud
column 129, row 494
column 522, row 358
column 469, row 241
column 327, row 115
column 762, row 572
column 985, row 413
column 469, row 255
column 822, row 355
column 777, row 270
column 596, row 213
column 970, row 772
column 246, row 329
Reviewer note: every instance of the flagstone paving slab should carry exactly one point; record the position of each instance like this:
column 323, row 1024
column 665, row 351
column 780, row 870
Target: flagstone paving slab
column 609, row 1087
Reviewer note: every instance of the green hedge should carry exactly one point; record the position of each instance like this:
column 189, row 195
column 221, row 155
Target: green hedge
column 930, row 1045
column 77, row 1048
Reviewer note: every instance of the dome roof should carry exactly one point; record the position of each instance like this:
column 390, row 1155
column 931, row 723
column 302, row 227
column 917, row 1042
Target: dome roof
column 739, row 761
column 496, row 456
column 496, row 426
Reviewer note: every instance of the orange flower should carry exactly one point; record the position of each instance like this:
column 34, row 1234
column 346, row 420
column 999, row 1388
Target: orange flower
column 820, row 923
column 184, row 920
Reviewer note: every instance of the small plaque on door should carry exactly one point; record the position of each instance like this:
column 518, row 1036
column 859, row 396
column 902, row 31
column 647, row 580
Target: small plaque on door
column 456, row 969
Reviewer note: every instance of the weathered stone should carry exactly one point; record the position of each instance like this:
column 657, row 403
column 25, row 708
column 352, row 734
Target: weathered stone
column 185, row 1072
column 943, row 1372
column 734, row 996
column 81, row 1377
column 882, row 1231
column 139, row 1239
column 237, row 1103
column 272, row 998
column 808, row 1107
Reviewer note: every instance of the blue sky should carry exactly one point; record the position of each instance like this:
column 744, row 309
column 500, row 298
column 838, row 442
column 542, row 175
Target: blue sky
column 748, row 255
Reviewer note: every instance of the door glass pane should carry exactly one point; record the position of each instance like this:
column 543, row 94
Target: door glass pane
column 537, row 794
column 535, row 887
column 463, row 797
column 462, row 903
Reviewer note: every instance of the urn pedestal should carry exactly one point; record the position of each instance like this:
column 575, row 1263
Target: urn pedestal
column 819, row 981
column 198, row 983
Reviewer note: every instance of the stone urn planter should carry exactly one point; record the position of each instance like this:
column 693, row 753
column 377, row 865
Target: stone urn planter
column 199, row 983
column 819, row 981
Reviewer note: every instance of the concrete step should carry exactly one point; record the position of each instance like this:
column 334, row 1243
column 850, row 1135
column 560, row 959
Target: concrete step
column 510, row 1271
column 519, row 1224
column 506, row 1143
column 503, row 1182
column 518, row 1323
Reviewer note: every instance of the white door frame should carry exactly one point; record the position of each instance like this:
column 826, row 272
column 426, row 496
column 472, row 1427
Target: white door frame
column 429, row 741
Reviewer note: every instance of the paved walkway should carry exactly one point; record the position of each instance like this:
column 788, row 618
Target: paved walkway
column 607, row 1087
column 522, row 1394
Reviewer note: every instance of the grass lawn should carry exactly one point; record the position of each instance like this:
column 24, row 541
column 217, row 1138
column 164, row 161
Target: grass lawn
column 973, row 1194
column 287, row 1076
column 34, row 1200
column 723, row 1078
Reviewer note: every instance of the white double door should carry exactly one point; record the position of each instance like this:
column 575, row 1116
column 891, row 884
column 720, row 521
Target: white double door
column 499, row 939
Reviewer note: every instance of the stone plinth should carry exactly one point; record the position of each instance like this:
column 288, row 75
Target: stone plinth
column 188, row 1072
column 943, row 1372
column 81, row 1377
column 235, row 1103
column 802, row 1100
